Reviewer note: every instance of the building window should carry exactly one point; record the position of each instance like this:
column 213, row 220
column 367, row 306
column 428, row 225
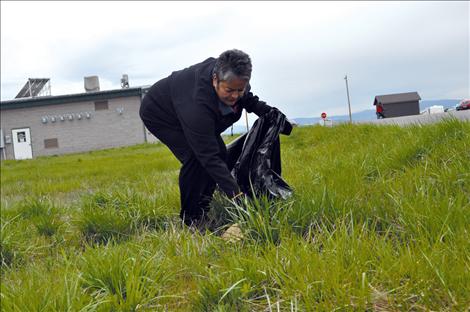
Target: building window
column 21, row 136
column 51, row 143
column 101, row 105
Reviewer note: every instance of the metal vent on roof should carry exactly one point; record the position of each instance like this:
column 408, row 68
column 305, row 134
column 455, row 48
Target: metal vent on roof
column 92, row 84
column 35, row 87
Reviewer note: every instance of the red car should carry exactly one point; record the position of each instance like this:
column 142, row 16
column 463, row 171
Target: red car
column 464, row 104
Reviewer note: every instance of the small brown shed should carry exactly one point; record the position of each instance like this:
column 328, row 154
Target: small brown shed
column 398, row 104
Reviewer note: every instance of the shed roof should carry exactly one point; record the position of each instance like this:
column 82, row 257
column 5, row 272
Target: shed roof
column 397, row 98
column 70, row 98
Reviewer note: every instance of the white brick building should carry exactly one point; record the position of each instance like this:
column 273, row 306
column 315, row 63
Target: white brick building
column 54, row 125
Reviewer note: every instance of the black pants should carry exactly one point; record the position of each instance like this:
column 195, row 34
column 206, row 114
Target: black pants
column 196, row 185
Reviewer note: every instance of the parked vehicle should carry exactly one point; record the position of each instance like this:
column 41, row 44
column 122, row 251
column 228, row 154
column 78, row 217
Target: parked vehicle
column 435, row 109
column 464, row 104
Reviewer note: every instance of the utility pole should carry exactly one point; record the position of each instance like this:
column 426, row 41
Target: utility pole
column 349, row 102
column 246, row 117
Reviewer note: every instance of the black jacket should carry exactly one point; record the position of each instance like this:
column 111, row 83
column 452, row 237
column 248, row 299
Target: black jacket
column 187, row 101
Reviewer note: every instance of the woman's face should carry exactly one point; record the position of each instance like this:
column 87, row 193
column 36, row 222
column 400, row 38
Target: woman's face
column 229, row 91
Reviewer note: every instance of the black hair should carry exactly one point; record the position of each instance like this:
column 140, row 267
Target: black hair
column 233, row 63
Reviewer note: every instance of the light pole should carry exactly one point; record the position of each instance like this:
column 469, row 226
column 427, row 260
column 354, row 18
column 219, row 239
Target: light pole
column 246, row 117
column 349, row 102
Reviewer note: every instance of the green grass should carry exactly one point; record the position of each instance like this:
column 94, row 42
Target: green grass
column 379, row 221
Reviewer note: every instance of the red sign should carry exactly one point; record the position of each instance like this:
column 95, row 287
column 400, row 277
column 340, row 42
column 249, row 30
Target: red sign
column 323, row 115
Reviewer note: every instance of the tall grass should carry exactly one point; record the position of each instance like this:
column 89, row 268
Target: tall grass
column 123, row 279
column 116, row 216
column 378, row 222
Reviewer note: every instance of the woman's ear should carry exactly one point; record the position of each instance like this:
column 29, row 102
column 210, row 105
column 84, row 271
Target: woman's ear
column 214, row 80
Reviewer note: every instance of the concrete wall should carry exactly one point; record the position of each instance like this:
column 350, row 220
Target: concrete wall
column 105, row 129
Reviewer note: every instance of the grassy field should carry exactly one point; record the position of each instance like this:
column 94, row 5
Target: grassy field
column 379, row 221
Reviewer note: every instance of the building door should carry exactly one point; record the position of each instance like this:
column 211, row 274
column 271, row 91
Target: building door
column 22, row 143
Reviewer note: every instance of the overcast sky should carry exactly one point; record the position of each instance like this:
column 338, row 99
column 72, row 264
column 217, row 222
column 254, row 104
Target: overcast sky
column 300, row 51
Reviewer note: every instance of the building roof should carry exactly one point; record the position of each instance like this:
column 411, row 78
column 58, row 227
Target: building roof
column 397, row 98
column 70, row 98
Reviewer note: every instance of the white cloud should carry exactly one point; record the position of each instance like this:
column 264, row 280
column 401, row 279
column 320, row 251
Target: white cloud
column 300, row 50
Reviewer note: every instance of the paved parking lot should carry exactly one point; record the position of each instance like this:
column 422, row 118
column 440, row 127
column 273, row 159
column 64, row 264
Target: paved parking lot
column 421, row 119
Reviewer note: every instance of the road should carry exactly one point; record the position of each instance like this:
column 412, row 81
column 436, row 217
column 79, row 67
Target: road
column 421, row 119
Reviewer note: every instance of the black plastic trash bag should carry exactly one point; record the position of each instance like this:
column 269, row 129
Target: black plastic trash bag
column 256, row 157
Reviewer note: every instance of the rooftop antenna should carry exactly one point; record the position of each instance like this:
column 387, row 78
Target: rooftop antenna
column 125, row 81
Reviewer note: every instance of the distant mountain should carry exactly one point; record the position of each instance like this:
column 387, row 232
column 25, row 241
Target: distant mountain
column 369, row 114
column 446, row 103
